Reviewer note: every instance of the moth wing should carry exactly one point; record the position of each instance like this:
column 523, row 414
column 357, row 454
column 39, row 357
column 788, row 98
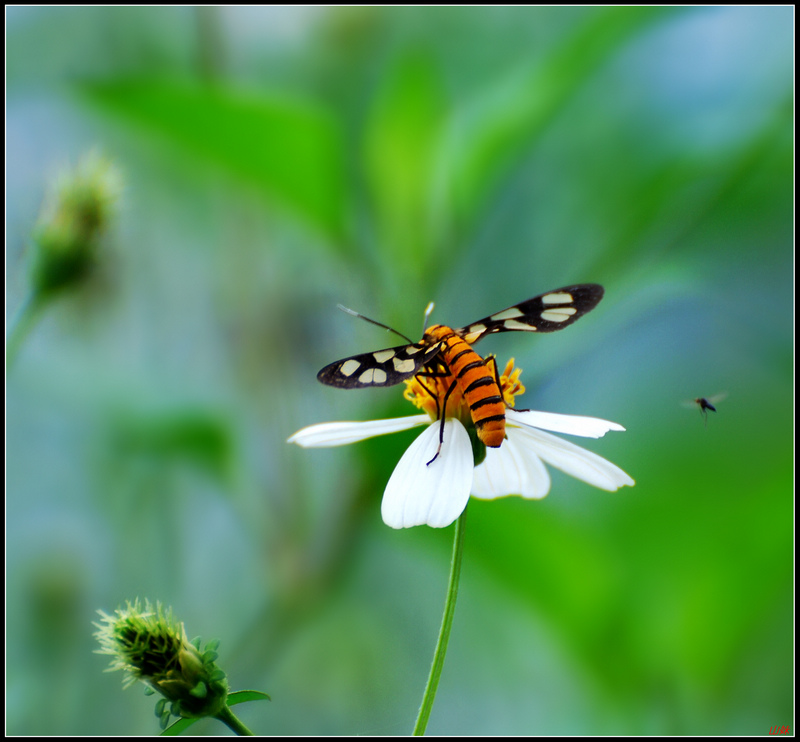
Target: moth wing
column 548, row 312
column 385, row 367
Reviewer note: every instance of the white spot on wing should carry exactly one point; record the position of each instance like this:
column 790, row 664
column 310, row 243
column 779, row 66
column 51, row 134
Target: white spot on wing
column 511, row 324
column 403, row 367
column 348, row 368
column 562, row 314
column 474, row 332
column 507, row 314
column 557, row 299
column 383, row 355
column 373, row 376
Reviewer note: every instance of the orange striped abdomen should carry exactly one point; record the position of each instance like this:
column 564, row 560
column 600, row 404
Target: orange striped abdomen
column 476, row 383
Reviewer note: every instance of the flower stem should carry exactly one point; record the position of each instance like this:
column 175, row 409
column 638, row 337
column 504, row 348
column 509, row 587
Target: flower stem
column 444, row 633
column 227, row 717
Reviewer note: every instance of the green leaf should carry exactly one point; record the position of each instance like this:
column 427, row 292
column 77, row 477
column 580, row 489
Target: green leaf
column 670, row 202
column 289, row 147
column 241, row 696
column 175, row 729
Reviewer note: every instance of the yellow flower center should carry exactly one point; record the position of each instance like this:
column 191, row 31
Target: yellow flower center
column 428, row 392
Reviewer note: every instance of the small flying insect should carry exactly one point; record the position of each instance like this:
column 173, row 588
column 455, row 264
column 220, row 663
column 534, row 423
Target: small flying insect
column 704, row 404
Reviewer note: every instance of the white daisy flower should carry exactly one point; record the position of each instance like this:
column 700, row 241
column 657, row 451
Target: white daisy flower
column 430, row 488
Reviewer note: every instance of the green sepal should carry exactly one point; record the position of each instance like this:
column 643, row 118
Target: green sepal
column 478, row 447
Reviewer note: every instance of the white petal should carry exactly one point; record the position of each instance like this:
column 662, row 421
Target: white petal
column 512, row 469
column 338, row 434
column 418, row 494
column 588, row 427
column 572, row 459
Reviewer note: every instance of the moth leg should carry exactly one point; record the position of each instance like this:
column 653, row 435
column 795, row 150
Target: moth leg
column 432, row 395
column 442, row 372
column 431, row 373
column 497, row 381
column 442, row 419
column 497, row 378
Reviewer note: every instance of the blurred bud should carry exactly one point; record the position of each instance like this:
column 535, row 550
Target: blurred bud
column 151, row 646
column 74, row 218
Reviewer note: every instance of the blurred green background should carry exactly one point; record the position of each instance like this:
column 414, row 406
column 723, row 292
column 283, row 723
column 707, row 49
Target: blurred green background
column 277, row 161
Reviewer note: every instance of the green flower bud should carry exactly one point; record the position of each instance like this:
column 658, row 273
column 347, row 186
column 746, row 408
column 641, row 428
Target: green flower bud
column 151, row 646
column 74, row 217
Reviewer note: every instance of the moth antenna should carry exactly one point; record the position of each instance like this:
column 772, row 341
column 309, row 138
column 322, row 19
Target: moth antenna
column 374, row 322
column 425, row 316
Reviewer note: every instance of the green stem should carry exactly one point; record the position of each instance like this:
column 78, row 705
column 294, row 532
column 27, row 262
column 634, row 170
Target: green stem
column 25, row 319
column 444, row 633
column 227, row 717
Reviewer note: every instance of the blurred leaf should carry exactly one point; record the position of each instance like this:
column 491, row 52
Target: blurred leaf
column 201, row 437
column 289, row 147
column 401, row 142
column 672, row 201
column 502, row 123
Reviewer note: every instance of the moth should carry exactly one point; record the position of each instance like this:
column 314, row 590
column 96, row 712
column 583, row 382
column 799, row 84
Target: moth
column 445, row 352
